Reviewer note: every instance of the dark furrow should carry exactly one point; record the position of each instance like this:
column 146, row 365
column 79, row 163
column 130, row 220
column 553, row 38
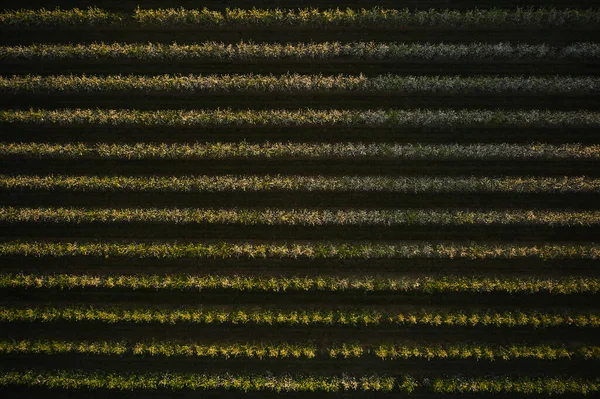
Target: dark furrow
column 417, row 368
column 139, row 297
column 85, row 231
column 495, row 267
column 324, row 336
column 298, row 166
column 552, row 36
column 365, row 101
column 123, row 134
column 317, row 199
column 334, row 66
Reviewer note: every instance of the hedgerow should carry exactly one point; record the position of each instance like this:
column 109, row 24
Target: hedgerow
column 377, row 17
column 302, row 217
column 296, row 83
column 266, row 183
column 511, row 285
column 303, row 317
column 291, row 250
column 304, row 52
column 268, row 150
column 426, row 118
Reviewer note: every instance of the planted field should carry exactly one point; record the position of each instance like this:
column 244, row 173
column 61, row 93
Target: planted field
column 337, row 201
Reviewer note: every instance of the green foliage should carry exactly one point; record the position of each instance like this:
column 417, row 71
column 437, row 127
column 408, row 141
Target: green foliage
column 518, row 385
column 268, row 350
column 377, row 17
column 67, row 379
column 381, row 320
column 295, row 383
column 302, row 217
column 466, row 351
column 278, row 150
column 432, row 285
column 255, row 350
column 266, row 183
column 325, row 250
column 297, row 83
column 425, row 118
column 305, row 52
column 90, row 17
column 241, row 316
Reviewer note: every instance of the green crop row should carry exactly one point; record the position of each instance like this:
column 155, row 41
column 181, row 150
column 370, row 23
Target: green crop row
column 270, row 350
column 64, row 379
column 255, row 183
column 291, row 250
column 222, row 150
column 518, row 385
column 302, row 217
column 176, row 381
column 296, row 83
column 426, row 118
column 377, row 17
column 250, row 51
column 469, row 351
column 92, row 16
column 431, row 285
column 241, row 316
column 258, row 350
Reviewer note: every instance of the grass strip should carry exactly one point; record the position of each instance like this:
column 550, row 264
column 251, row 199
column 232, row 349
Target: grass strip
column 268, row 150
column 377, row 18
column 302, row 52
column 179, row 381
column 272, row 350
column 296, row 83
column 303, row 217
column 303, row 317
column 429, row 285
column 255, row 183
column 426, row 118
column 290, row 250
